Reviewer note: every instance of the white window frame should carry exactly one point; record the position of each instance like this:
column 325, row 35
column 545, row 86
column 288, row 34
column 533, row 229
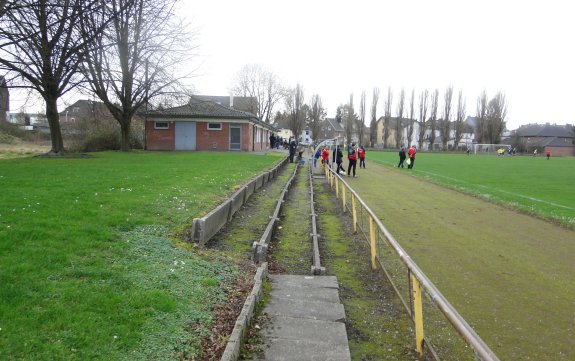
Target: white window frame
column 161, row 127
column 219, row 126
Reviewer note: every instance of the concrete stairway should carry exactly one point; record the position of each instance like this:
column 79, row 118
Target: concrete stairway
column 306, row 320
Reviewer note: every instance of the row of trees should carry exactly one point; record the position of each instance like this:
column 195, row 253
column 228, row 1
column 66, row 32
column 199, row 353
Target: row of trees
column 124, row 51
column 446, row 118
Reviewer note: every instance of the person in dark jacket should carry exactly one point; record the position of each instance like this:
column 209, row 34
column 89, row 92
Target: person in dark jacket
column 292, row 149
column 402, row 157
column 339, row 160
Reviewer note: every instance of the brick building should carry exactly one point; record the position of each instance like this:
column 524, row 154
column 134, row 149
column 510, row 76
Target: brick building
column 206, row 125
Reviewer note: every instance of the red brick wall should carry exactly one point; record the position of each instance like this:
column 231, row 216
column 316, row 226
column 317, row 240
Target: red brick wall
column 217, row 140
column 160, row 139
column 247, row 136
column 561, row 151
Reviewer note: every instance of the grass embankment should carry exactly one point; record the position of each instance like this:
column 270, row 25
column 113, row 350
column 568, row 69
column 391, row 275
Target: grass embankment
column 531, row 184
column 508, row 274
column 89, row 270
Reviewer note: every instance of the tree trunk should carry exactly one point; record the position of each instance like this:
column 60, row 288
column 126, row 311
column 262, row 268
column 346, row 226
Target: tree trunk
column 54, row 124
column 125, row 140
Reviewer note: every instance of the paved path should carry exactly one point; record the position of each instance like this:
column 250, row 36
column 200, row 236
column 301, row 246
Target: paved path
column 306, row 320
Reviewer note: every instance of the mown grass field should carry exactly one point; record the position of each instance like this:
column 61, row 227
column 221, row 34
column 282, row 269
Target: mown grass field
column 88, row 266
column 531, row 184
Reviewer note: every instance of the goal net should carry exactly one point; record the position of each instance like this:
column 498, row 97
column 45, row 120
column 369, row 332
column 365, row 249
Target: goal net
column 489, row 148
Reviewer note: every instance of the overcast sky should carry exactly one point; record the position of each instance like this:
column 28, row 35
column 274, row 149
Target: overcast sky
column 525, row 49
column 333, row 48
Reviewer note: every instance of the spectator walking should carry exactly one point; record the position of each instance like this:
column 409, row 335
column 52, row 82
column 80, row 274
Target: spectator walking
column 402, row 157
column 339, row 160
column 316, row 156
column 325, row 157
column 361, row 155
column 352, row 158
column 292, row 150
column 411, row 154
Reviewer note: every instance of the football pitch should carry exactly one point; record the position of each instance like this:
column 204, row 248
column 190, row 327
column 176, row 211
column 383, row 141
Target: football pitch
column 509, row 274
column 535, row 185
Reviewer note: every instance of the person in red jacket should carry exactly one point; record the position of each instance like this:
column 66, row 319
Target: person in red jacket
column 352, row 158
column 361, row 155
column 325, row 156
column 411, row 154
column 548, row 153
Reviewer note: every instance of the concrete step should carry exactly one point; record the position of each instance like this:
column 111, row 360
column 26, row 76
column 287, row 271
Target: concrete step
column 306, row 320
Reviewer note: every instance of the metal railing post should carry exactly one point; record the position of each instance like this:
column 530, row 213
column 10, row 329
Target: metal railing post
column 354, row 213
column 372, row 243
column 337, row 188
column 417, row 314
column 343, row 197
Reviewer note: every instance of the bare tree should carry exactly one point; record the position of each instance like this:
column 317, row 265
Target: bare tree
column 481, row 118
column 445, row 127
column 496, row 113
column 387, row 116
column 459, row 125
column 361, row 118
column 316, row 116
column 295, row 108
column 399, row 123
column 411, row 120
column 41, row 49
column 350, row 120
column 135, row 59
column 433, row 117
column 254, row 81
column 373, row 123
column 423, row 99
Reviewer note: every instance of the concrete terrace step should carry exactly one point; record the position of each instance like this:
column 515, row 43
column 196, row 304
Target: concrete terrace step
column 306, row 320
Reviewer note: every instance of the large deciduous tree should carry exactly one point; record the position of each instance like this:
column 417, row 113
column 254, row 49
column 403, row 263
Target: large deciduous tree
column 373, row 122
column 316, row 116
column 361, row 119
column 411, row 121
column 254, row 81
column 433, row 117
column 423, row 104
column 41, row 48
column 481, row 118
column 399, row 123
column 496, row 113
column 349, row 120
column 387, row 116
column 136, row 58
column 445, row 126
column 459, row 125
column 295, row 108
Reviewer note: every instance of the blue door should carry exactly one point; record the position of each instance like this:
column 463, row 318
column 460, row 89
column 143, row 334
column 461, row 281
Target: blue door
column 185, row 136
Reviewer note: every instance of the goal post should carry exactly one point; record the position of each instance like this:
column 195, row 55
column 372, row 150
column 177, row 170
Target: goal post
column 489, row 148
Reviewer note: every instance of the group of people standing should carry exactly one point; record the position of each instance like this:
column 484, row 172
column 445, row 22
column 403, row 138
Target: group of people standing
column 403, row 156
column 353, row 154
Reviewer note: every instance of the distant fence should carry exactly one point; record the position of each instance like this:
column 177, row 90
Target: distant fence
column 207, row 226
column 444, row 335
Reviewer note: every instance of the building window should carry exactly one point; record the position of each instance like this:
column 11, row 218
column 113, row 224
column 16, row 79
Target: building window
column 76, row 110
column 214, row 126
column 161, row 125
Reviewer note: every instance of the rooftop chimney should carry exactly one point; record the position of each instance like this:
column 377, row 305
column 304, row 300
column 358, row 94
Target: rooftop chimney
column 231, row 101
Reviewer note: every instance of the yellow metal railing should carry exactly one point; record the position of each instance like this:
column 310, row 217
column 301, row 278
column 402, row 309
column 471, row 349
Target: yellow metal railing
column 440, row 332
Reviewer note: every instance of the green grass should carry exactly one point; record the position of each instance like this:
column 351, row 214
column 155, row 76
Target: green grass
column 88, row 266
column 531, row 184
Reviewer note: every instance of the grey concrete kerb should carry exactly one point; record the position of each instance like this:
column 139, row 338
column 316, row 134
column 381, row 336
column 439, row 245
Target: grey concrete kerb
column 232, row 351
